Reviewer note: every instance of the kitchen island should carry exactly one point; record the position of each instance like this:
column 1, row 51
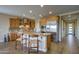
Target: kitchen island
column 45, row 39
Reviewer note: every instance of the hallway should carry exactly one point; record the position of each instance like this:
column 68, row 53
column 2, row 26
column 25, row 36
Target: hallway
column 67, row 46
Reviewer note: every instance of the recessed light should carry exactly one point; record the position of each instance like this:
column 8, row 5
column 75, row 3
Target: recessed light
column 40, row 15
column 30, row 11
column 42, row 6
column 50, row 12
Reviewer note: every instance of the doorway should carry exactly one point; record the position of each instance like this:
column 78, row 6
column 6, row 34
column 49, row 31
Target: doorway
column 70, row 28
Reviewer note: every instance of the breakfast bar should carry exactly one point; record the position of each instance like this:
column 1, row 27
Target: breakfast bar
column 44, row 38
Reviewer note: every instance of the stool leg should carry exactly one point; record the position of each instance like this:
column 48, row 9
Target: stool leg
column 37, row 45
column 28, row 50
column 16, row 45
column 29, row 47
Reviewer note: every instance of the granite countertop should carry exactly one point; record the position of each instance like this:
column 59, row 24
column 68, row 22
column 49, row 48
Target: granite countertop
column 34, row 33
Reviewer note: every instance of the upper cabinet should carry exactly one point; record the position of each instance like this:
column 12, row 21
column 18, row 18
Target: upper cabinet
column 44, row 21
column 52, row 18
column 32, row 24
column 14, row 22
column 29, row 22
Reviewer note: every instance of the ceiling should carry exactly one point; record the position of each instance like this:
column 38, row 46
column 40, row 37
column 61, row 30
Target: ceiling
column 70, row 18
column 36, row 11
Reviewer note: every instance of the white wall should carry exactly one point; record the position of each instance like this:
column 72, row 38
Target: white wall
column 63, row 29
column 4, row 26
column 77, row 29
column 60, row 30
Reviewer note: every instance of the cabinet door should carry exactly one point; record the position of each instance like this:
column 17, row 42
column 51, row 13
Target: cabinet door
column 13, row 36
column 14, row 23
column 11, row 23
column 43, row 21
column 17, row 22
column 32, row 24
column 49, row 41
column 29, row 22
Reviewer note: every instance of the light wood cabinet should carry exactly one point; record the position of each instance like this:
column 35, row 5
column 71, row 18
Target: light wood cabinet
column 49, row 41
column 13, row 36
column 52, row 18
column 43, row 21
column 32, row 24
column 29, row 22
column 14, row 22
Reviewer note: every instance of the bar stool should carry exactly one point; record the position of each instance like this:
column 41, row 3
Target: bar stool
column 23, row 41
column 19, row 40
column 33, row 44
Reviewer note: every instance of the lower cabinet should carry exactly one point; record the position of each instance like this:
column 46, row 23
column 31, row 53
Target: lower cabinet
column 13, row 36
column 49, row 39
